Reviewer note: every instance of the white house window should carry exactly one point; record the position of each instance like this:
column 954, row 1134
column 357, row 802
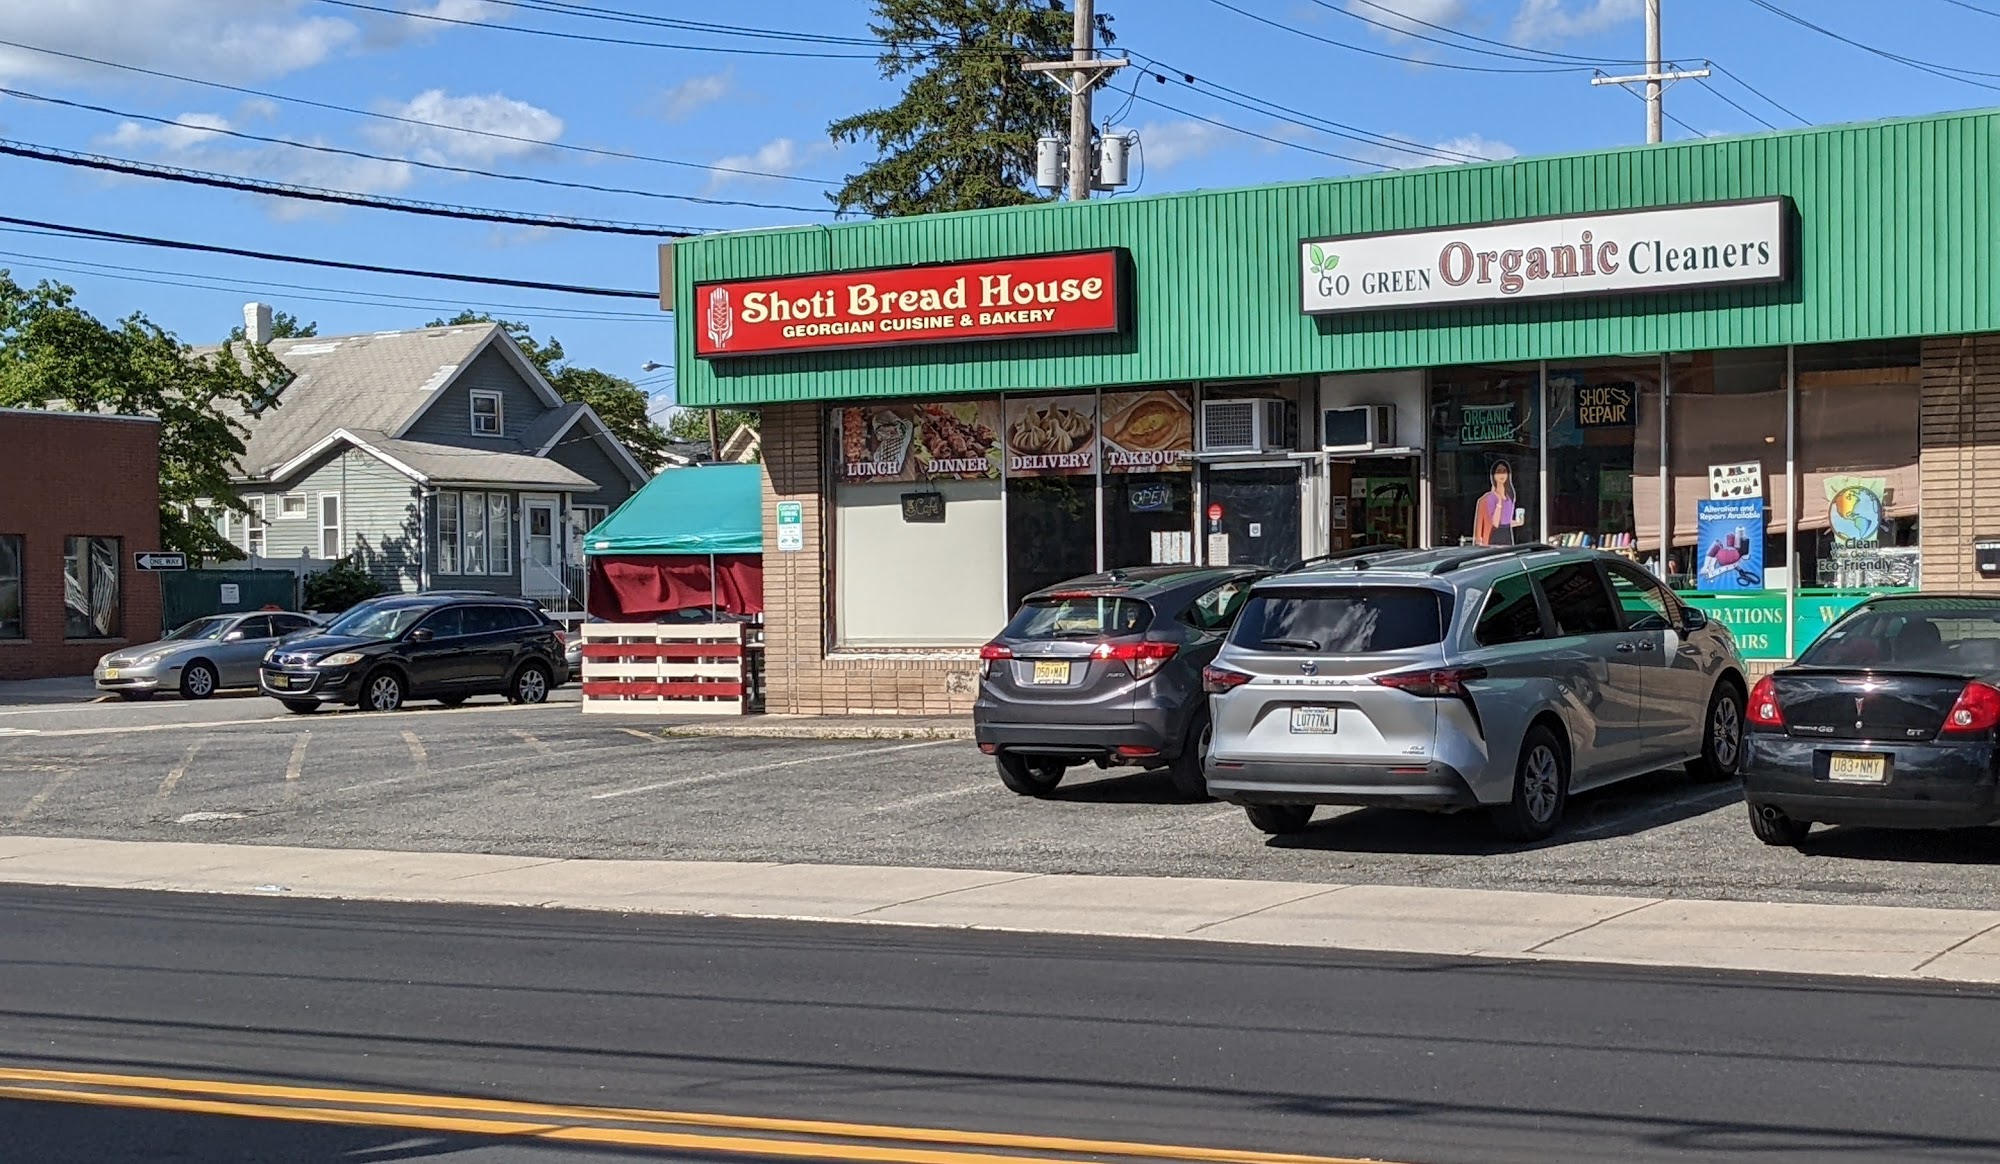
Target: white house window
column 330, row 541
column 499, row 535
column 253, row 537
column 475, row 533
column 486, row 418
column 292, row 505
column 448, row 533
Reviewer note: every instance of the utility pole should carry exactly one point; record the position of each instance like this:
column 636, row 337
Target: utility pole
column 1086, row 70
column 1655, row 77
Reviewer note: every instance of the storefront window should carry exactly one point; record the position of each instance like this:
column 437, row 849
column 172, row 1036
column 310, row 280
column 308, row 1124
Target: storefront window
column 1254, row 515
column 1486, row 470
column 1148, row 450
column 1603, row 431
column 1726, row 450
column 1859, row 487
column 1051, row 446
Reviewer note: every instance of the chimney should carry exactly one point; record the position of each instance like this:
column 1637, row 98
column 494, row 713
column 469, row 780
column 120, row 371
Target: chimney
column 257, row 322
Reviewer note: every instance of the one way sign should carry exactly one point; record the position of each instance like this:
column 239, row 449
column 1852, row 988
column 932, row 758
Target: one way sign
column 154, row 560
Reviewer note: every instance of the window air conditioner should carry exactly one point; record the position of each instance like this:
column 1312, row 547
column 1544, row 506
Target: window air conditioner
column 1243, row 426
column 1359, row 429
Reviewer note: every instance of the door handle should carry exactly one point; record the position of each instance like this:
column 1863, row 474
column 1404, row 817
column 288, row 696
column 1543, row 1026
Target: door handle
column 1625, row 648
column 1645, row 644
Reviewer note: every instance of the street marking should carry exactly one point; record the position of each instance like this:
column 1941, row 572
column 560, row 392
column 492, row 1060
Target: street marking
column 295, row 764
column 174, row 776
column 40, row 798
column 574, row 1124
column 417, row 756
column 531, row 741
column 336, row 717
column 649, row 737
column 207, row 817
column 711, row 777
column 926, row 798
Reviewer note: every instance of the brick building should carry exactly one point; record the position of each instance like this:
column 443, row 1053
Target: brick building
column 1765, row 367
column 79, row 496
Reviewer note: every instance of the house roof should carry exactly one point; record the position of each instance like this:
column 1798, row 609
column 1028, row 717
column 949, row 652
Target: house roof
column 428, row 463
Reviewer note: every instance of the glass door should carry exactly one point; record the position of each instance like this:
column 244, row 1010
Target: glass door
column 1252, row 514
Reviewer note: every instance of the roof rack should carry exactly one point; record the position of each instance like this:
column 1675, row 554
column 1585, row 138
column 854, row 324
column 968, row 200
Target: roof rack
column 1352, row 554
column 1487, row 554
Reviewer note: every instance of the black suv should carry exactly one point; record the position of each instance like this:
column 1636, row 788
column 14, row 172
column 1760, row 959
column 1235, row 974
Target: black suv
column 447, row 647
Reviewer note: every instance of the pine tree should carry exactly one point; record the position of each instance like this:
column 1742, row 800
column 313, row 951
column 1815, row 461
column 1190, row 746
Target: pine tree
column 963, row 135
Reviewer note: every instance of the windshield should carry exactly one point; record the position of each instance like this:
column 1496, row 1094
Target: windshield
column 201, row 628
column 1083, row 617
column 1347, row 621
column 1944, row 635
column 377, row 622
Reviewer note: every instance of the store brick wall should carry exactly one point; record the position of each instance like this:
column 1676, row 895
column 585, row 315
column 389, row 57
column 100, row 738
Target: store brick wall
column 1961, row 457
column 63, row 475
column 802, row 676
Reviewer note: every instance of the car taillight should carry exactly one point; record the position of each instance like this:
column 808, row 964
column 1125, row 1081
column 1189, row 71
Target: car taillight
column 1976, row 713
column 990, row 654
column 562, row 640
column 1143, row 658
column 1436, row 683
column 1216, row 679
column 1764, row 711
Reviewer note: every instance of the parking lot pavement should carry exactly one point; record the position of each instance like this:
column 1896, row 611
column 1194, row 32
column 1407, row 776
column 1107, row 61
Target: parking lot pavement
column 548, row 781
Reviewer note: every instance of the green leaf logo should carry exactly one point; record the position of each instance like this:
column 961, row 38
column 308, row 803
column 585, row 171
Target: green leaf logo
column 1318, row 257
column 1321, row 262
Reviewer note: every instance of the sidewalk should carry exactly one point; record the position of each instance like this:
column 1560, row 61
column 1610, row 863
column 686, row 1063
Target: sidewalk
column 68, row 689
column 1874, row 941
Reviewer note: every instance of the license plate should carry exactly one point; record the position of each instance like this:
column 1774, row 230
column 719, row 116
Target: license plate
column 278, row 680
column 1052, row 673
column 1312, row 721
column 1858, row 769
column 111, row 672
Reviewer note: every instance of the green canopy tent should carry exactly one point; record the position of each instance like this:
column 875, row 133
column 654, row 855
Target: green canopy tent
column 691, row 539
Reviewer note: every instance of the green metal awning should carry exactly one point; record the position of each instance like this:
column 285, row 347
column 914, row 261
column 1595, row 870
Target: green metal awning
column 704, row 509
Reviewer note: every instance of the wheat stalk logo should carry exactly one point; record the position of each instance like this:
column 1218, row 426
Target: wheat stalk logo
column 721, row 317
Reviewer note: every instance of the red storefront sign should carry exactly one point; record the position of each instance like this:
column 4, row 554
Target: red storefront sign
column 1046, row 295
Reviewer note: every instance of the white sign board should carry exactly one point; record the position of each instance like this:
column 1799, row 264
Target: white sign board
column 1679, row 249
column 231, row 594
column 791, row 526
column 1734, row 482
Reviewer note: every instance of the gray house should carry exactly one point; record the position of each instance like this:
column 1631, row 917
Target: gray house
column 438, row 458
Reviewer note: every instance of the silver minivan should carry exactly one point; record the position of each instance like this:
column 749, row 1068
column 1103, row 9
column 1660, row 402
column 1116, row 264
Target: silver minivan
column 1493, row 678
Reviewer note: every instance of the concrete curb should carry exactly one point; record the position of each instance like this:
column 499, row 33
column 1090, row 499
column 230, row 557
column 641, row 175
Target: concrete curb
column 806, row 728
column 1939, row 945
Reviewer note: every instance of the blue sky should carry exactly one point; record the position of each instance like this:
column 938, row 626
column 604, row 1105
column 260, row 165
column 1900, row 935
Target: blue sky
column 744, row 112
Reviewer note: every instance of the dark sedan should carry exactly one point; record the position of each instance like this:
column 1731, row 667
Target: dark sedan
column 1892, row 718
column 1107, row 670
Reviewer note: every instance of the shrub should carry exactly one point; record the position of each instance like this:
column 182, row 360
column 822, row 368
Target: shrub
column 340, row 586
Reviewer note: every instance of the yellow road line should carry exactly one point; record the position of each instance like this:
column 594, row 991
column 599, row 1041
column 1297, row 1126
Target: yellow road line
column 649, row 737
column 179, row 770
column 416, row 748
column 534, row 1119
column 529, row 739
column 296, row 764
column 40, row 798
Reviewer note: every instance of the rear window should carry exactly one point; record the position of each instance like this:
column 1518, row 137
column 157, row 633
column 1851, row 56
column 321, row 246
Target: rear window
column 1086, row 617
column 1349, row 621
column 1947, row 635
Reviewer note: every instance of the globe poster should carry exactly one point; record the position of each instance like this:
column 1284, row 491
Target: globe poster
column 1729, row 537
column 1854, row 510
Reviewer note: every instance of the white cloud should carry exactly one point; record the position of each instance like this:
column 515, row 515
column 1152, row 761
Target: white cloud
column 681, row 101
column 486, row 114
column 474, row 10
column 1548, row 21
column 189, row 131
column 1463, row 149
column 1407, row 17
column 1167, row 144
column 780, row 155
column 223, row 39
column 194, row 141
column 1472, row 143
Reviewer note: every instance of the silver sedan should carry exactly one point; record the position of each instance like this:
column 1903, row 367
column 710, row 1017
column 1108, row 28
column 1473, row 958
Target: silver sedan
column 201, row 658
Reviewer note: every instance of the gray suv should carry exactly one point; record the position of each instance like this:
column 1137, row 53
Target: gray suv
column 1452, row 679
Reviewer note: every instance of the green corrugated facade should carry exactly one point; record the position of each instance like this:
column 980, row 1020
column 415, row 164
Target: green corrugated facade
column 1897, row 239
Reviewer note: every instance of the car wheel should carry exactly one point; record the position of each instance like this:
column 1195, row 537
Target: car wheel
column 1279, row 820
column 1031, row 775
column 300, row 706
column 197, row 680
column 1722, row 738
column 530, row 685
column 135, row 696
column 1541, row 789
column 1776, row 829
column 382, row 692
column 1186, row 770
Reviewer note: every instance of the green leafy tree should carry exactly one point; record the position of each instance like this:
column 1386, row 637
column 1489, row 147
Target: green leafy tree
column 284, row 325
column 55, row 355
column 691, row 424
column 963, row 135
column 621, row 403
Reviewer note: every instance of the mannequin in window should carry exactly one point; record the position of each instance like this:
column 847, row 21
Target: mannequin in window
column 1499, row 512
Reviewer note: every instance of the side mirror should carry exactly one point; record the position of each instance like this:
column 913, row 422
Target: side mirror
column 1693, row 619
column 420, row 635
column 235, row 636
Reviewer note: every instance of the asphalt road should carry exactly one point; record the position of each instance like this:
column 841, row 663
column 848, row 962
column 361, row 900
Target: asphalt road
column 1211, row 1046
column 548, row 781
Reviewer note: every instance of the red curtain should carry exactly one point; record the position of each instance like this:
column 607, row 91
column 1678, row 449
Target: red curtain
column 641, row 587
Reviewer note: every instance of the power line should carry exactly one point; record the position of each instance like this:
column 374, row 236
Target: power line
column 616, row 16
column 579, row 36
column 417, row 121
column 1259, row 136
column 1767, row 98
column 1514, row 52
column 1948, row 72
column 213, row 249
column 436, row 166
column 321, row 194
column 1974, row 8
column 1296, row 31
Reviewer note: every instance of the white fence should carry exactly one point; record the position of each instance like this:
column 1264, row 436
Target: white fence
column 669, row 669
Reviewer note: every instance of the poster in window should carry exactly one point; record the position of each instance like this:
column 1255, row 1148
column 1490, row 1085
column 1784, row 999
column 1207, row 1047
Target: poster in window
column 1730, row 541
column 1053, row 436
column 946, row 441
column 1500, row 515
column 1148, row 432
